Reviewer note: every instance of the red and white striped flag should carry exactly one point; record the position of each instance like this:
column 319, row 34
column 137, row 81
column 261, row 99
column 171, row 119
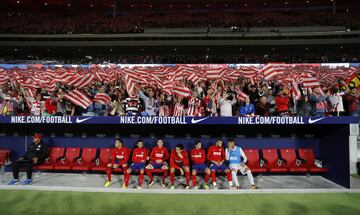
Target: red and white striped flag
column 181, row 90
column 271, row 70
column 81, row 81
column 310, row 82
column 3, row 77
column 295, row 90
column 214, row 73
column 102, row 98
column 240, row 94
column 79, row 98
column 194, row 78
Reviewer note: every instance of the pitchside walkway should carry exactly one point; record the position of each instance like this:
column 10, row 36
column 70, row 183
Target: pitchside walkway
column 94, row 183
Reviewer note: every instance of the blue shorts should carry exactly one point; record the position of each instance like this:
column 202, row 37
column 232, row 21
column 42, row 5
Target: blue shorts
column 157, row 166
column 181, row 165
column 222, row 167
column 117, row 162
column 137, row 166
column 199, row 167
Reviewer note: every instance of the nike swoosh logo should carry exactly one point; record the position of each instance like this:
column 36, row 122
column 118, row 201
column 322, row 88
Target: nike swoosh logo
column 82, row 120
column 194, row 121
column 315, row 120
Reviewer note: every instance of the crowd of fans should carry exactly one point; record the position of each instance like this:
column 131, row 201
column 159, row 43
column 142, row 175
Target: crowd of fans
column 51, row 23
column 206, row 99
column 334, row 57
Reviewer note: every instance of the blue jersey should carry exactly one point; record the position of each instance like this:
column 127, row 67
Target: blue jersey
column 234, row 156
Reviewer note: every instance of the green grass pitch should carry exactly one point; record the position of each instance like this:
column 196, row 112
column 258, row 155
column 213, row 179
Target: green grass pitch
column 67, row 203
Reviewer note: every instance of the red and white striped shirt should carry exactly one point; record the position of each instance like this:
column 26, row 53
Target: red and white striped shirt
column 179, row 110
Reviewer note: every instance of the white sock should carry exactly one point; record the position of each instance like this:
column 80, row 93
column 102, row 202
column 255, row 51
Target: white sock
column 250, row 177
column 214, row 184
column 234, row 178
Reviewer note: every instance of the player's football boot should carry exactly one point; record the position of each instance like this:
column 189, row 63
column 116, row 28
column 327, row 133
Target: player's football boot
column 163, row 185
column 254, row 187
column 123, row 186
column 195, row 188
column 172, row 187
column 206, row 187
column 238, row 187
column 150, row 183
column 187, row 187
column 107, row 184
column 139, row 188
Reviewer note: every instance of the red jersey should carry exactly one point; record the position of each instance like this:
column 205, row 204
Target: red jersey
column 139, row 155
column 121, row 155
column 159, row 154
column 216, row 154
column 175, row 160
column 198, row 156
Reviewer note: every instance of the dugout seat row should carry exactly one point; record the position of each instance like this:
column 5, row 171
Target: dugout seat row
column 282, row 161
column 77, row 159
column 259, row 161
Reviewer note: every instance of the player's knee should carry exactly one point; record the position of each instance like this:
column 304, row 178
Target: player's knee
column 193, row 172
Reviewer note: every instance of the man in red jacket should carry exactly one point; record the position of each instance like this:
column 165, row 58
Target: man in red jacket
column 158, row 157
column 198, row 158
column 179, row 160
column 139, row 158
column 119, row 159
column 216, row 155
column 282, row 102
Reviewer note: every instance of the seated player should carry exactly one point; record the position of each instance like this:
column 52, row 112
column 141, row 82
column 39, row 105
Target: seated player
column 158, row 157
column 119, row 158
column 198, row 158
column 139, row 157
column 216, row 155
column 237, row 159
column 179, row 160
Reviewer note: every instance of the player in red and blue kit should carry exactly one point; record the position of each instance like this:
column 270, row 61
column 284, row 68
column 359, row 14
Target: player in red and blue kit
column 179, row 160
column 198, row 158
column 158, row 157
column 139, row 158
column 119, row 159
column 216, row 155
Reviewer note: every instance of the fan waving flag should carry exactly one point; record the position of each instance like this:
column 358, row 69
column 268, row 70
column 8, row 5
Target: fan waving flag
column 78, row 98
column 102, row 98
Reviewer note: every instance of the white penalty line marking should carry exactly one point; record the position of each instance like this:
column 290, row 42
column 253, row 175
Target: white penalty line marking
column 176, row 191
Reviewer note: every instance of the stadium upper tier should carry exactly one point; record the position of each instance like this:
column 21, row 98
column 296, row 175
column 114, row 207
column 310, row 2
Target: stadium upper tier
column 100, row 23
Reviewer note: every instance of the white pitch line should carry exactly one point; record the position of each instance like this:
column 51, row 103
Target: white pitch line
column 180, row 191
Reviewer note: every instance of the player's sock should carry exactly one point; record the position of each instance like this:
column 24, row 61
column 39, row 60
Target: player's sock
column 234, row 178
column 165, row 174
column 206, row 179
column 127, row 178
column 108, row 173
column 213, row 176
column 194, row 182
column 187, row 177
column 141, row 179
column 250, row 177
column 149, row 173
column 172, row 178
column 228, row 176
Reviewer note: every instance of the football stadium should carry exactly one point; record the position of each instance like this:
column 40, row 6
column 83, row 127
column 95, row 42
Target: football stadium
column 179, row 107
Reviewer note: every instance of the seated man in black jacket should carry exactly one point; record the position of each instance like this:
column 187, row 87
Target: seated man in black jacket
column 36, row 154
